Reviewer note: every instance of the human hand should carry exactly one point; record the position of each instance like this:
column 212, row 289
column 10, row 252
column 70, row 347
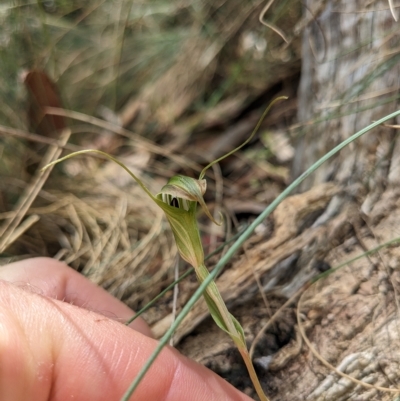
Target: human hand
column 61, row 338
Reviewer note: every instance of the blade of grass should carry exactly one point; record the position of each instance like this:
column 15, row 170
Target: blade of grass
column 239, row 242
column 360, row 256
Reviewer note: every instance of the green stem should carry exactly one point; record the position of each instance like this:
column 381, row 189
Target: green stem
column 203, row 172
column 252, row 373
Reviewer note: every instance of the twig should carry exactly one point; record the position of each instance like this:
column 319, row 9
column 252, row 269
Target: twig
column 270, row 26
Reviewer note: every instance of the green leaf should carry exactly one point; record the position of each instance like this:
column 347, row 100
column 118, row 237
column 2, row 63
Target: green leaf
column 239, row 329
column 236, row 335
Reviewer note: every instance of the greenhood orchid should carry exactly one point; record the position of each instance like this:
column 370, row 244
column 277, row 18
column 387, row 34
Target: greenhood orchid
column 178, row 199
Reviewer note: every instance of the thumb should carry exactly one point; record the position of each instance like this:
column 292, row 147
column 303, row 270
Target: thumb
column 53, row 351
column 56, row 280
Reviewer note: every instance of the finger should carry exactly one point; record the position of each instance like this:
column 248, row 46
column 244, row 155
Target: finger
column 56, row 280
column 54, row 351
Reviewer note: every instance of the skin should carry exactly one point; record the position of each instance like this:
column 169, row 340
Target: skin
column 61, row 338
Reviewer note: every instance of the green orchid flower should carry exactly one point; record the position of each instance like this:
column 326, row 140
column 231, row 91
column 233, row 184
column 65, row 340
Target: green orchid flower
column 179, row 199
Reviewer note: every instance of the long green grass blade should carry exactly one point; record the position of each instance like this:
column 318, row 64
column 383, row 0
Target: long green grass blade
column 391, row 242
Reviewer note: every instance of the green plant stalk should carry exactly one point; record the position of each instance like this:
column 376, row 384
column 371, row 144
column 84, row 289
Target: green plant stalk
column 252, row 373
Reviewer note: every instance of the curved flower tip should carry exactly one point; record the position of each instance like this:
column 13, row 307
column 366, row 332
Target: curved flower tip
column 181, row 191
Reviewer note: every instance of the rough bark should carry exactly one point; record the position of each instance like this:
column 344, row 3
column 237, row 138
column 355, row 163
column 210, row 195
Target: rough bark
column 350, row 77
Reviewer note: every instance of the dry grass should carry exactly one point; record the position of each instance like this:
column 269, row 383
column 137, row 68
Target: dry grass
column 166, row 79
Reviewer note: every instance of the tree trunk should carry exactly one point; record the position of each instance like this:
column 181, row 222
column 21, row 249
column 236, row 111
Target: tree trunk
column 350, row 77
